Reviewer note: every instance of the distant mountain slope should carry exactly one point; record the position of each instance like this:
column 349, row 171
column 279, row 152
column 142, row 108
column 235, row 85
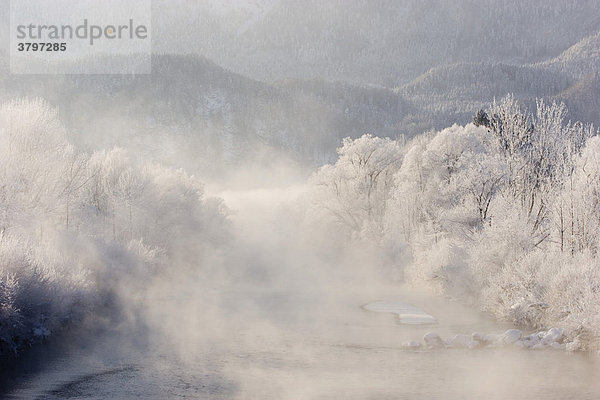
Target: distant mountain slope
column 384, row 42
column 218, row 117
column 371, row 109
column 578, row 60
column 483, row 81
column 583, row 99
column 451, row 93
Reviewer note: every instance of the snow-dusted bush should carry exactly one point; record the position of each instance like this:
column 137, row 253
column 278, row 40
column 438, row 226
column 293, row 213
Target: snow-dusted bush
column 42, row 289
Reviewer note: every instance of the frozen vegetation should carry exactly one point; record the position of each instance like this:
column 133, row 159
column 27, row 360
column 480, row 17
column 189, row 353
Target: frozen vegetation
column 78, row 229
column 502, row 211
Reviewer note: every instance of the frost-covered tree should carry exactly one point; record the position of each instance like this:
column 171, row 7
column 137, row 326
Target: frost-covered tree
column 442, row 197
column 538, row 150
column 10, row 317
column 447, row 181
column 74, row 226
column 355, row 190
column 580, row 203
column 33, row 149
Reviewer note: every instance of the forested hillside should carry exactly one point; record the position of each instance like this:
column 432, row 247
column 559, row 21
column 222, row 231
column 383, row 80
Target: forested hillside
column 381, row 42
column 210, row 116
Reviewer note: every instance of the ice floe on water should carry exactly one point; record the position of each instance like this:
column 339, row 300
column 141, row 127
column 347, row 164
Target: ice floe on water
column 553, row 338
column 407, row 313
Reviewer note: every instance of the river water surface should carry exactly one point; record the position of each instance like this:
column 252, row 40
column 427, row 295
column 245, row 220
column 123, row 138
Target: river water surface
column 355, row 354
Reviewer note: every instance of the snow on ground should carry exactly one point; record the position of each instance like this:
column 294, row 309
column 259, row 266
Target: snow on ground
column 407, row 313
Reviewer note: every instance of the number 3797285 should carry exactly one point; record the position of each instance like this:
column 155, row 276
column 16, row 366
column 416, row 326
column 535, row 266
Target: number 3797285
column 25, row 46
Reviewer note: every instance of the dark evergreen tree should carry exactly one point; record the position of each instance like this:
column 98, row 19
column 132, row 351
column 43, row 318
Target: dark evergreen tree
column 481, row 119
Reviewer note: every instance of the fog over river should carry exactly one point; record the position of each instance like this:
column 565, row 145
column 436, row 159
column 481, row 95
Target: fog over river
column 285, row 329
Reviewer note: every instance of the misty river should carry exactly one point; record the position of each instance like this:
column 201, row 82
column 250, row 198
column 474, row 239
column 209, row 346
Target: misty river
column 354, row 355
column 284, row 331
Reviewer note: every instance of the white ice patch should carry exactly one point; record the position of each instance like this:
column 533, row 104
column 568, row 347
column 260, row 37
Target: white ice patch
column 407, row 313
